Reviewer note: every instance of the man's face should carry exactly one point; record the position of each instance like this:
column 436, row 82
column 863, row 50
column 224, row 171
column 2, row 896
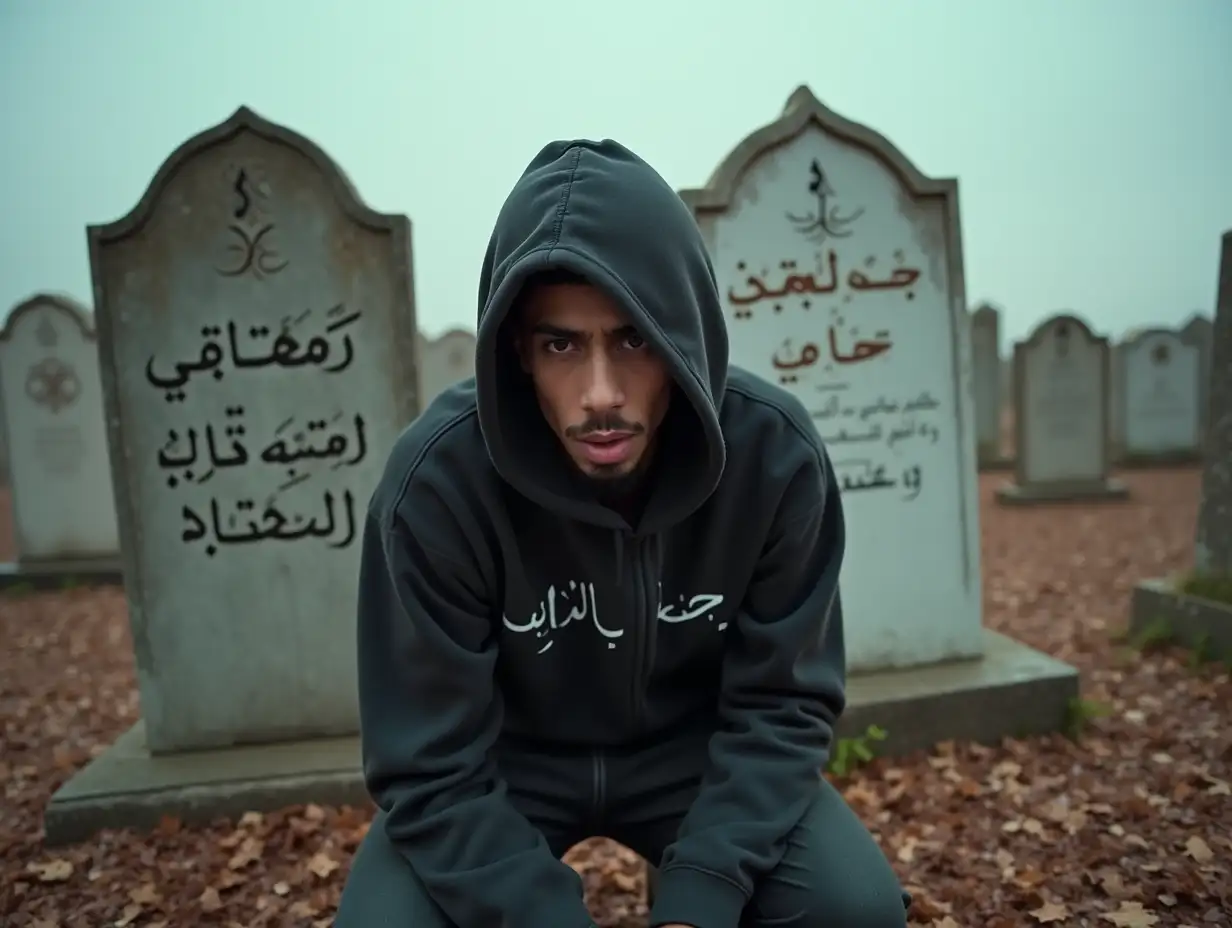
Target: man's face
column 601, row 388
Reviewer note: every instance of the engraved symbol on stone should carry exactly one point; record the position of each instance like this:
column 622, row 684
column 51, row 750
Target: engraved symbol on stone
column 53, row 384
column 1159, row 354
column 45, row 334
column 250, row 248
column 1062, row 340
column 826, row 220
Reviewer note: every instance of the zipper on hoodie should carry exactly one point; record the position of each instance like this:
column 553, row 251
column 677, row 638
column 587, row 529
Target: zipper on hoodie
column 599, row 784
column 645, row 616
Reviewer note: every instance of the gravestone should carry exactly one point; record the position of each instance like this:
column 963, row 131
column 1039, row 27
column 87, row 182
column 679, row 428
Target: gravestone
column 1199, row 331
column 64, row 518
column 1160, row 371
column 986, row 383
column 1061, row 377
column 444, row 361
column 257, row 337
column 841, row 273
column 1116, row 396
column 1196, row 609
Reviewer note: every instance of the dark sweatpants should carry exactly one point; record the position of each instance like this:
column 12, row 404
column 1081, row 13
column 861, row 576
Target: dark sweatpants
column 833, row 874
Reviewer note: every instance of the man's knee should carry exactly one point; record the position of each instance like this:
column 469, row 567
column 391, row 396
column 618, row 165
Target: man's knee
column 833, row 873
column 874, row 901
column 382, row 889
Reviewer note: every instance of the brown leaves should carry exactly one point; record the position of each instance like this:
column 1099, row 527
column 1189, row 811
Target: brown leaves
column 1131, row 915
column 1127, row 827
column 1199, row 850
column 1050, row 912
column 53, row 871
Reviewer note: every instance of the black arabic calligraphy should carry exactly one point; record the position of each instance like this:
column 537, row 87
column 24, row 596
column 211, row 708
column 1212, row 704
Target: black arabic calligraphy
column 874, row 477
column 247, row 524
column 284, row 350
column 199, row 454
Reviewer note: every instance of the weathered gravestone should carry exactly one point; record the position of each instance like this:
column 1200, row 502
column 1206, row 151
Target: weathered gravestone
column 1061, row 377
column 986, row 384
column 64, row 518
column 841, row 269
column 1160, row 392
column 1196, row 609
column 1198, row 331
column 1116, row 396
column 257, row 335
column 444, row 361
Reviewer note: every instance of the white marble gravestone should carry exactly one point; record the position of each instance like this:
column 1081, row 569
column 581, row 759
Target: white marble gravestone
column 1200, row 332
column 444, row 361
column 841, row 270
column 1061, row 375
column 986, row 383
column 1161, row 395
column 257, row 337
column 55, row 433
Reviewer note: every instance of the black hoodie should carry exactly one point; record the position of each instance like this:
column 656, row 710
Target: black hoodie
column 498, row 597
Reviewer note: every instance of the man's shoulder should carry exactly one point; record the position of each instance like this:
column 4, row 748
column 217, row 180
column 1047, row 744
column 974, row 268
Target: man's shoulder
column 441, row 452
column 762, row 418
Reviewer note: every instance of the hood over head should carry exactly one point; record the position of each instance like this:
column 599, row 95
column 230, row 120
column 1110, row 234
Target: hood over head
column 598, row 210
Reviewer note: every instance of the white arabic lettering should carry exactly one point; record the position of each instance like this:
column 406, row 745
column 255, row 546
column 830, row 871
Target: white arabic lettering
column 576, row 603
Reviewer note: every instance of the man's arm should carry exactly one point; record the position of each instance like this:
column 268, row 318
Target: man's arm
column 782, row 692
column 430, row 713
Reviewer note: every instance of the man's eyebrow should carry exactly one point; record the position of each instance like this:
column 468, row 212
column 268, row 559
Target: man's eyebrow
column 556, row 331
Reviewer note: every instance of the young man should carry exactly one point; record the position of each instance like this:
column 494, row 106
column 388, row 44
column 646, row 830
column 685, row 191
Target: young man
column 599, row 596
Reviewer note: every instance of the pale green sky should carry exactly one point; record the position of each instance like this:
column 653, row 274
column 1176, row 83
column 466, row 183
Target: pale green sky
column 1092, row 140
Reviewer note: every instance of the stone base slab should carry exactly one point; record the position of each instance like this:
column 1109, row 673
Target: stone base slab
column 1016, row 494
column 1186, row 458
column 55, row 575
column 1195, row 623
column 1012, row 691
column 999, row 463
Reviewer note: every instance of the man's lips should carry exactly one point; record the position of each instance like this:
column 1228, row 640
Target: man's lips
column 607, row 447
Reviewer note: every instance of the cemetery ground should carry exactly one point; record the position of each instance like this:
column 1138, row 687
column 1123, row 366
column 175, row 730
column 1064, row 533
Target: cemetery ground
column 1126, row 820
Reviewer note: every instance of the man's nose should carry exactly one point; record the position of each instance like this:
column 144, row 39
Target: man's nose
column 603, row 389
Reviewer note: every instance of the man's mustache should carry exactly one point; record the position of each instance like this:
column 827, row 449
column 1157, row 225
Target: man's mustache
column 612, row 422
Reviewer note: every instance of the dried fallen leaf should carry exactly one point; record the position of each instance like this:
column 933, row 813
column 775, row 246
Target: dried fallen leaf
column 1199, row 850
column 1131, row 915
column 322, row 864
column 145, row 894
column 210, row 900
column 53, row 871
column 1050, row 912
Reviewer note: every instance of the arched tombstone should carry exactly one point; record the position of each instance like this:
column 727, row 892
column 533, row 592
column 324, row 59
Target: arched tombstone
column 257, row 339
column 986, row 385
column 1116, row 396
column 1061, row 374
column 841, row 272
column 1161, row 373
column 1200, row 332
column 51, row 405
column 1195, row 609
column 444, row 361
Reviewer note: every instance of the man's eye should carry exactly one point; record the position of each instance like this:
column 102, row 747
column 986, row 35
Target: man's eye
column 634, row 341
column 557, row 345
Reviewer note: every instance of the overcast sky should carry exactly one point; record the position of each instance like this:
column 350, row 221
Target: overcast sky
column 1092, row 140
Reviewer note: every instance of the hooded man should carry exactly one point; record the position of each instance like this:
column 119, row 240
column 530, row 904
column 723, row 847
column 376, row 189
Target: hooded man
column 599, row 596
